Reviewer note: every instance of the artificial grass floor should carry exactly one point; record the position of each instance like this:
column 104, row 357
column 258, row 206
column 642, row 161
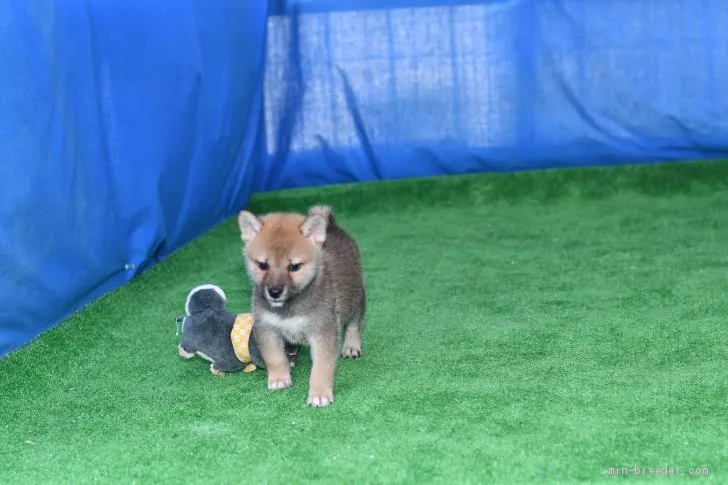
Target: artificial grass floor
column 538, row 327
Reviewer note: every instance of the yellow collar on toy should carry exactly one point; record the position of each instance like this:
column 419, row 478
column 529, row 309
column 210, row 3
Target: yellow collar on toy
column 240, row 336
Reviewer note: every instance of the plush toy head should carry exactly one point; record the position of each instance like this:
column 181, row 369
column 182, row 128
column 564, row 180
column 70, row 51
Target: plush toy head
column 205, row 297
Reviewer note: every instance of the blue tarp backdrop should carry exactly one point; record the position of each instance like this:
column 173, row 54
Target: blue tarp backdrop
column 378, row 89
column 127, row 129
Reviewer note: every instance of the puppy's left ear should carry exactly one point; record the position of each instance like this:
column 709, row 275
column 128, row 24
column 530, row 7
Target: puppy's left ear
column 314, row 229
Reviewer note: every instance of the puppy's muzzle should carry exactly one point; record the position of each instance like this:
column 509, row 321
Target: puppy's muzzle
column 275, row 292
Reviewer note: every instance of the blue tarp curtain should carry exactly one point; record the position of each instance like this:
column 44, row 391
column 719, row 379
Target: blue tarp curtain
column 127, row 129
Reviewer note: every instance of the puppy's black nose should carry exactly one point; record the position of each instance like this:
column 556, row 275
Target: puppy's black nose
column 275, row 291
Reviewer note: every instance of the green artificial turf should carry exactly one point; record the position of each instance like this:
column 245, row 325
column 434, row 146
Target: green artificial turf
column 538, row 327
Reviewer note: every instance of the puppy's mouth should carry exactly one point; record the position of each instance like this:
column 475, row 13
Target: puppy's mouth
column 276, row 303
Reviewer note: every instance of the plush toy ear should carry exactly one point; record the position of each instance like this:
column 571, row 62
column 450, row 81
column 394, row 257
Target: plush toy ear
column 314, row 229
column 249, row 226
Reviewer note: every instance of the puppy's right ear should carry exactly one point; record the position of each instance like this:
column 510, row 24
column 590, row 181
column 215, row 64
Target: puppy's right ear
column 249, row 226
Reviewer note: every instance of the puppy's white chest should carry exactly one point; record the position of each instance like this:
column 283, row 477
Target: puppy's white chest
column 293, row 329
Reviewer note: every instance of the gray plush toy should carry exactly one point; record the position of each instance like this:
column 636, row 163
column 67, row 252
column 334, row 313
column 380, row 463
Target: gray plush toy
column 216, row 334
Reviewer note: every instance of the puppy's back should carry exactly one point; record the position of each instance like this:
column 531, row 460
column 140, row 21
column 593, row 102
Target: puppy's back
column 342, row 265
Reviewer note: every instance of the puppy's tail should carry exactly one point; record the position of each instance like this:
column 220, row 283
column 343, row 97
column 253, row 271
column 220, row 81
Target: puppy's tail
column 324, row 211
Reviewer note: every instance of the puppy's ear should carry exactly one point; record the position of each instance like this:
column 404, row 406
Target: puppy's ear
column 321, row 210
column 249, row 226
column 314, row 229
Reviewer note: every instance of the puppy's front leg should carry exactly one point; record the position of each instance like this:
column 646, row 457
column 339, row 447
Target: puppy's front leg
column 324, row 353
column 272, row 349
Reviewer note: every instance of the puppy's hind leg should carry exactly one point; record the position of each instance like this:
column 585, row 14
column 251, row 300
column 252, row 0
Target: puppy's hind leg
column 353, row 331
column 292, row 350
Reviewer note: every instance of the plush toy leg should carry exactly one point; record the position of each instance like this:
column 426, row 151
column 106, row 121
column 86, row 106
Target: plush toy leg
column 225, row 364
column 215, row 371
column 185, row 354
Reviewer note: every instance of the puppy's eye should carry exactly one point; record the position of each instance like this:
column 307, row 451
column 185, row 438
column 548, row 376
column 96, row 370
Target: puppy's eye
column 294, row 267
column 263, row 265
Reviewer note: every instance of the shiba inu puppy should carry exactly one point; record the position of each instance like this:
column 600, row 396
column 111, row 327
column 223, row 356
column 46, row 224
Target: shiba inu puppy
column 308, row 284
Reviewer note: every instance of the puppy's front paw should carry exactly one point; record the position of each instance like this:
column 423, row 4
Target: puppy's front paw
column 276, row 383
column 320, row 399
column 351, row 352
